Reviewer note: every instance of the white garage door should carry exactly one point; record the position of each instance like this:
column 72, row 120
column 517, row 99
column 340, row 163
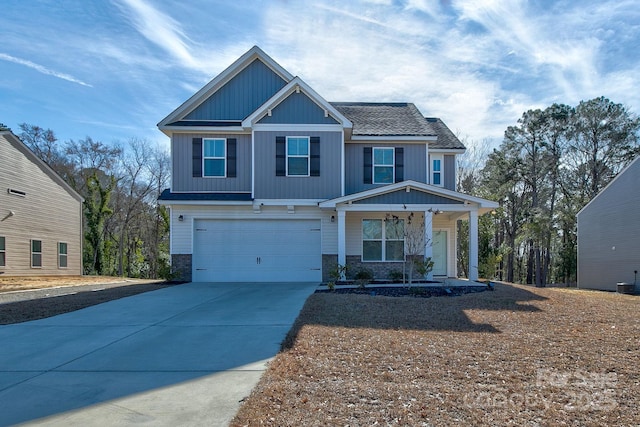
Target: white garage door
column 257, row 251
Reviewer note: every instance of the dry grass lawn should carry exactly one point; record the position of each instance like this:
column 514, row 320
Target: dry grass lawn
column 20, row 283
column 518, row 356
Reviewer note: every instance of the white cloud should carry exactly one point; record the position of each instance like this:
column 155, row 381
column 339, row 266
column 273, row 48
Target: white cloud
column 42, row 69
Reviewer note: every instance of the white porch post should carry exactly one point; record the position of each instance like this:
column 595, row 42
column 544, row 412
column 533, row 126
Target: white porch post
column 342, row 239
column 428, row 239
column 473, row 245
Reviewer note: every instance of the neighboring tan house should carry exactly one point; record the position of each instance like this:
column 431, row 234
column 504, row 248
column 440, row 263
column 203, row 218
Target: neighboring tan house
column 270, row 182
column 40, row 215
column 609, row 233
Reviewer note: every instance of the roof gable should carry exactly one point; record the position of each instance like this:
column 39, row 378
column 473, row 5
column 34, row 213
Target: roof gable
column 296, row 86
column 241, row 95
column 413, row 196
column 16, row 143
column 203, row 103
column 298, row 108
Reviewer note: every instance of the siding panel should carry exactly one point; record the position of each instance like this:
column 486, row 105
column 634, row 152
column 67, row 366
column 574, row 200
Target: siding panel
column 270, row 186
column 609, row 232
column 241, row 96
column 415, row 164
column 450, row 172
column 47, row 213
column 183, row 179
column 298, row 109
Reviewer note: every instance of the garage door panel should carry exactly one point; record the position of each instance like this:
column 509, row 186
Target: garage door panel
column 257, row 250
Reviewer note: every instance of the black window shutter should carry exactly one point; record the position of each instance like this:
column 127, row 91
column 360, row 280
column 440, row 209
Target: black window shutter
column 196, row 147
column 231, row 158
column 368, row 163
column 399, row 164
column 314, row 150
column 281, row 156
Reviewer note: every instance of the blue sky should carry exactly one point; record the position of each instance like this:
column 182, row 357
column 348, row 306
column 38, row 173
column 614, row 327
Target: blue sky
column 113, row 69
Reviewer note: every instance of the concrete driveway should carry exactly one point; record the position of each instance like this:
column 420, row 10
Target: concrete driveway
column 184, row 355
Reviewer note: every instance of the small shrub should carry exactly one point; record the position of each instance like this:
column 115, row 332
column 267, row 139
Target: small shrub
column 363, row 278
column 396, row 276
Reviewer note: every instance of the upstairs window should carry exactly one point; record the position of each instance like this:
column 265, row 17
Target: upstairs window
column 214, row 157
column 382, row 240
column 383, row 165
column 3, row 252
column 36, row 253
column 62, row 255
column 437, row 169
column 298, row 156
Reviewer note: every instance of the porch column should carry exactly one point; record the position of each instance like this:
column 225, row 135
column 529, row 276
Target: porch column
column 428, row 239
column 473, row 245
column 342, row 239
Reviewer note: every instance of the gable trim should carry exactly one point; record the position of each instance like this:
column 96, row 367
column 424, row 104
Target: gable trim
column 220, row 80
column 48, row 170
column 412, row 185
column 295, row 86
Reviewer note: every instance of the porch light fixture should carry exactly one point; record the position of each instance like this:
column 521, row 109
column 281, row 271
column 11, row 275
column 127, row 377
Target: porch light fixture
column 333, row 218
column 181, row 218
column 435, row 211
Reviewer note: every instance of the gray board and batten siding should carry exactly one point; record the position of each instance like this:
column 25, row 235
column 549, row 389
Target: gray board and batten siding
column 450, row 172
column 241, row 96
column 415, row 164
column 297, row 108
column 413, row 197
column 325, row 186
column 183, row 179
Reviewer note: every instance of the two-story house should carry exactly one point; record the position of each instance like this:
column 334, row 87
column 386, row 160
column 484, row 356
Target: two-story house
column 272, row 183
column 40, row 215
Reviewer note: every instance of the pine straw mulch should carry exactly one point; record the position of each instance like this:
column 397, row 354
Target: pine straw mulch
column 517, row 356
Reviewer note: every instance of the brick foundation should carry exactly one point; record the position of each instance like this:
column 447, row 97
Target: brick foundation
column 181, row 267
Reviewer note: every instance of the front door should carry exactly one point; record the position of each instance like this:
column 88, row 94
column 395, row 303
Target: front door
column 439, row 252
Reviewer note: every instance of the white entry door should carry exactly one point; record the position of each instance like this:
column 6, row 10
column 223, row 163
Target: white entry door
column 439, row 252
column 257, row 251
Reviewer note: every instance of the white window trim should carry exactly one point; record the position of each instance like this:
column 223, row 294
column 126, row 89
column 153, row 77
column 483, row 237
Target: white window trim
column 204, row 158
column 383, row 240
column 308, row 156
column 4, row 251
column 441, row 171
column 66, row 255
column 33, row 253
column 373, row 165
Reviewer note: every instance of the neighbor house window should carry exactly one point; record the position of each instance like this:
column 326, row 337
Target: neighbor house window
column 436, row 169
column 36, row 253
column 382, row 240
column 3, row 252
column 383, row 165
column 62, row 255
column 297, row 156
column 214, row 157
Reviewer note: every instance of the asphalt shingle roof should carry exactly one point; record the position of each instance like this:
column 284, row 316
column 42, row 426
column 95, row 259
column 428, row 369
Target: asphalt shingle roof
column 446, row 138
column 385, row 119
column 396, row 119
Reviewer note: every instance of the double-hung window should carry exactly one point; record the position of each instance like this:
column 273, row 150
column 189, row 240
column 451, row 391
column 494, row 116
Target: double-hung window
column 36, row 253
column 298, row 156
column 382, row 240
column 437, row 169
column 62, row 255
column 3, row 252
column 383, row 165
column 214, row 157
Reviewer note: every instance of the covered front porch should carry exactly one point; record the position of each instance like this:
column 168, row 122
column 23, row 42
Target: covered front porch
column 379, row 229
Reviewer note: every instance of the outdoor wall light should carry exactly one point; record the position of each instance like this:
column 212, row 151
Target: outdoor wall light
column 333, row 218
column 181, row 218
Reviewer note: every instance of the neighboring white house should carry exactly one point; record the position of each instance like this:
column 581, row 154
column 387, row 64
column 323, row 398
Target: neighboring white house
column 271, row 182
column 40, row 215
column 609, row 233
